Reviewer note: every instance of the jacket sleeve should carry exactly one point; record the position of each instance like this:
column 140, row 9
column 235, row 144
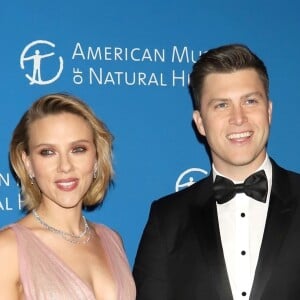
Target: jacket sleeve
column 150, row 265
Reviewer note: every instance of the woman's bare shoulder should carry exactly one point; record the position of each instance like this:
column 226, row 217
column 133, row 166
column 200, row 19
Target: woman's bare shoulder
column 8, row 242
column 9, row 279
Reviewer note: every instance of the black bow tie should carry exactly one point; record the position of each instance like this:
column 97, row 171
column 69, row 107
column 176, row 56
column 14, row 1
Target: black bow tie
column 255, row 186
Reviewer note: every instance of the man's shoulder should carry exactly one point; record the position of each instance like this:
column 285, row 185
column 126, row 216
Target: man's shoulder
column 185, row 197
column 285, row 182
column 281, row 171
column 173, row 211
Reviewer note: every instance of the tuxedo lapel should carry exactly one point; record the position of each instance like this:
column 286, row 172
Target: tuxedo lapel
column 205, row 222
column 279, row 217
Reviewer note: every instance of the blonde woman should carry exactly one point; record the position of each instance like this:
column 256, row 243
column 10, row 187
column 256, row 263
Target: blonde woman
column 61, row 154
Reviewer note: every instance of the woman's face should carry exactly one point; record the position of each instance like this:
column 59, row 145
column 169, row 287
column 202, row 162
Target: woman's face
column 62, row 158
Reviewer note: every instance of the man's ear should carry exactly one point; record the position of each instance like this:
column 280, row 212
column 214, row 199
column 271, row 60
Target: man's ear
column 270, row 109
column 199, row 122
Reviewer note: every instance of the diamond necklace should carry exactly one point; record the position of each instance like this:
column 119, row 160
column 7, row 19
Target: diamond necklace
column 70, row 237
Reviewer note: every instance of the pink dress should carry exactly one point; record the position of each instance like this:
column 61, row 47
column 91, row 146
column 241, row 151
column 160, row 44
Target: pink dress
column 45, row 276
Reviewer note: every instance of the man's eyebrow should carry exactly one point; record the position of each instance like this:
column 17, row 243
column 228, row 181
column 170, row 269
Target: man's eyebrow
column 252, row 94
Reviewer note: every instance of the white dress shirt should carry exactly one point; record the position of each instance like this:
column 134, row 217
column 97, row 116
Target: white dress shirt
column 242, row 223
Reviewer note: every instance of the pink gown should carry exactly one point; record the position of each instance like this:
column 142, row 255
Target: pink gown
column 45, row 276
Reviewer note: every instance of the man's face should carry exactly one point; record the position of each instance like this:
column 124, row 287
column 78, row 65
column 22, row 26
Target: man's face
column 235, row 118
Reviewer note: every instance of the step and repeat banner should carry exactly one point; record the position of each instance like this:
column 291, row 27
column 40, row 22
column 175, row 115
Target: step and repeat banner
column 130, row 61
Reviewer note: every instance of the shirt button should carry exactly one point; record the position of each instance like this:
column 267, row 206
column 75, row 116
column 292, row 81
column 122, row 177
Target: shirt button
column 243, row 252
column 244, row 294
column 243, row 215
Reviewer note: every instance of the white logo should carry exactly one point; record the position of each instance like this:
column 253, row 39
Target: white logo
column 187, row 179
column 36, row 59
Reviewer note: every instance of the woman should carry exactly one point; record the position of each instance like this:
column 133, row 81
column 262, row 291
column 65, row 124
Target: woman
column 61, row 154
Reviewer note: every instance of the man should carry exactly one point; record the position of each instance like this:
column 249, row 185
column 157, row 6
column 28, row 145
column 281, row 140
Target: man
column 222, row 239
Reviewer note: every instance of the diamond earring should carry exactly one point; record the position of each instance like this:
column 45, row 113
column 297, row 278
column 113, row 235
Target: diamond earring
column 95, row 171
column 31, row 179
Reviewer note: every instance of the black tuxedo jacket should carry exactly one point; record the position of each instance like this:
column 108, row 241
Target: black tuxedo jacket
column 180, row 255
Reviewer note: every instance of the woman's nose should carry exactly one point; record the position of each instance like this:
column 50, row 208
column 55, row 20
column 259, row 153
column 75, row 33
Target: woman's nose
column 64, row 164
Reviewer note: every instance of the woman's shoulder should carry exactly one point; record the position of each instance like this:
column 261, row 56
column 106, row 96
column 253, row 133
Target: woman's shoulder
column 11, row 258
column 7, row 236
column 108, row 232
column 8, row 239
column 8, row 248
column 105, row 228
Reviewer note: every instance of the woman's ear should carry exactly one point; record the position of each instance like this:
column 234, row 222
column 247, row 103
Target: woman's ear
column 27, row 164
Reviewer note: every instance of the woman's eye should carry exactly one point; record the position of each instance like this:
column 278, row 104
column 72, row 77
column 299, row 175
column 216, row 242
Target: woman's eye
column 46, row 152
column 79, row 149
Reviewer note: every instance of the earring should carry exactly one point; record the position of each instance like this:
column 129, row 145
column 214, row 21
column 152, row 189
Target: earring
column 31, row 179
column 95, row 171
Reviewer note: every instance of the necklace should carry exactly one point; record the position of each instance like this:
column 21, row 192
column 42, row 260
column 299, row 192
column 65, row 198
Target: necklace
column 70, row 237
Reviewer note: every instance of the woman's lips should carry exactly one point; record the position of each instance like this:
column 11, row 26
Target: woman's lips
column 67, row 184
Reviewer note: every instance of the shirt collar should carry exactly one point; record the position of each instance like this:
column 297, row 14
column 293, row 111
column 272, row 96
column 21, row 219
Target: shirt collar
column 266, row 166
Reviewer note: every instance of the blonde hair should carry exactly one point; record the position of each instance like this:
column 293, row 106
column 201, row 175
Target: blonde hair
column 55, row 104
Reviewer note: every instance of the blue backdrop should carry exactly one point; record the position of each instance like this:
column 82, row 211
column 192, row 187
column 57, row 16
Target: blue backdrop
column 130, row 62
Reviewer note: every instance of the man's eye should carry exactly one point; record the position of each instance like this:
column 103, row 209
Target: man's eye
column 221, row 105
column 251, row 101
column 46, row 152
